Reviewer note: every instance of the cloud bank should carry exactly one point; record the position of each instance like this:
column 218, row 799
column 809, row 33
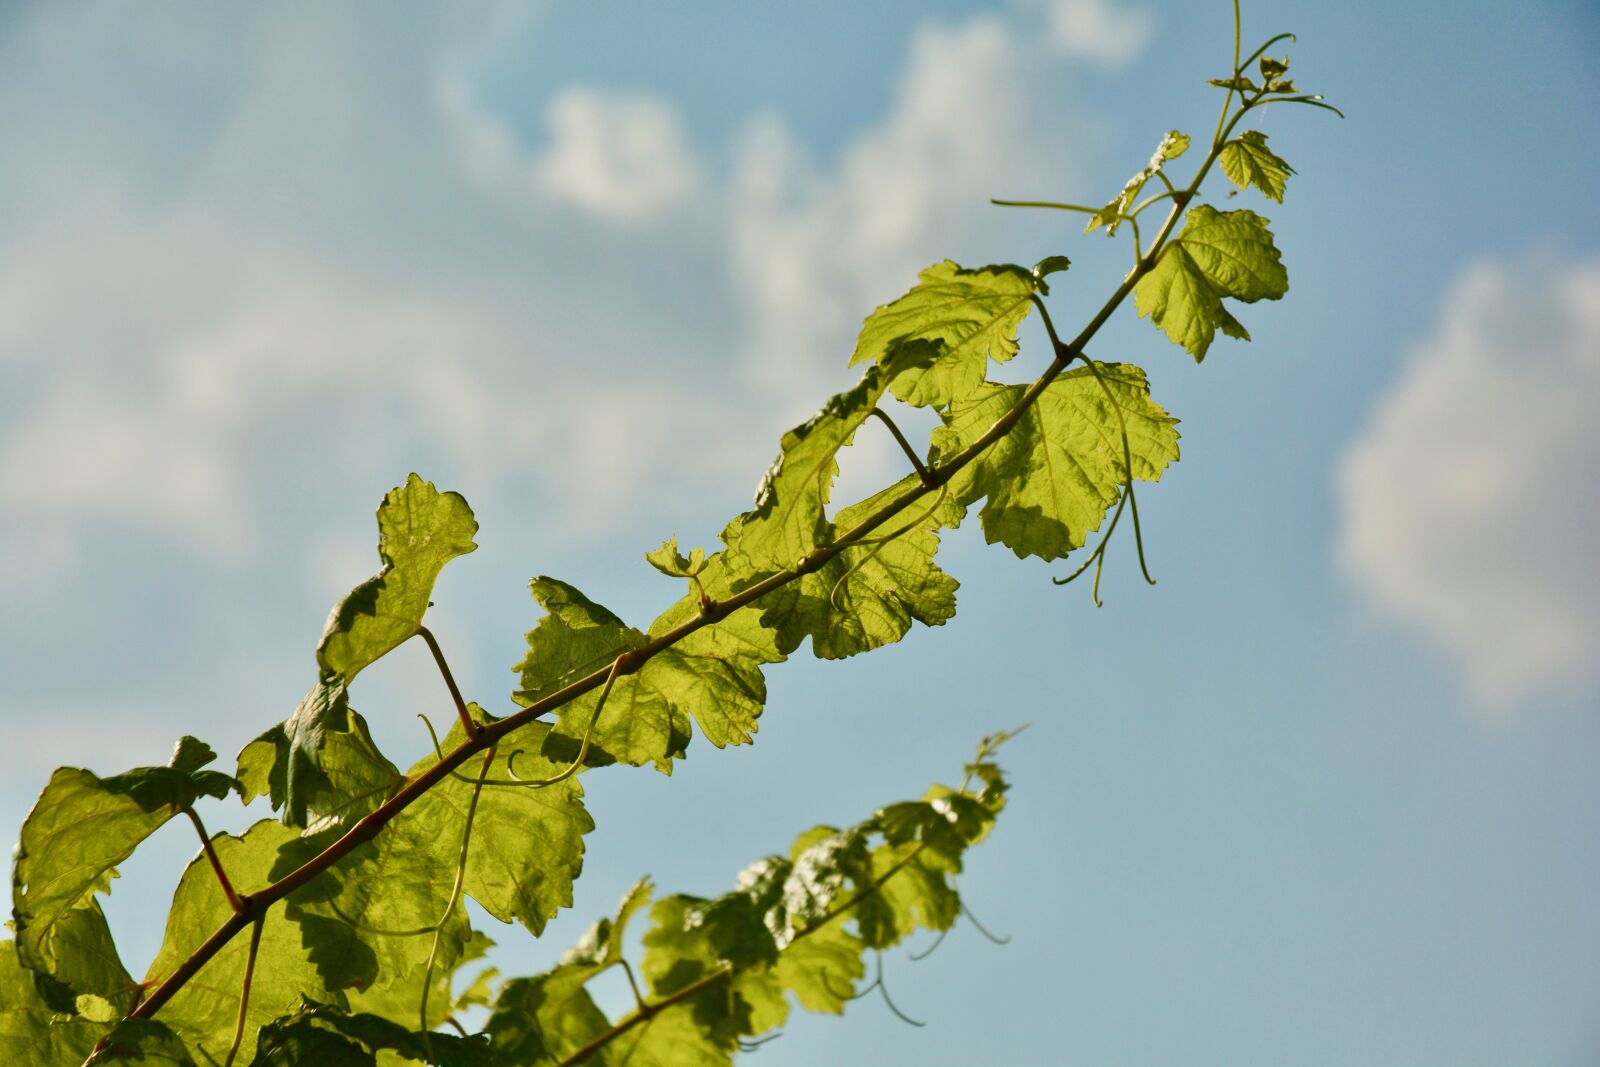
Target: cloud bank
column 1469, row 504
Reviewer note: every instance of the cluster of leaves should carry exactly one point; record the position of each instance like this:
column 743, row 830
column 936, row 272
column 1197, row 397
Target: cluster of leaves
column 373, row 865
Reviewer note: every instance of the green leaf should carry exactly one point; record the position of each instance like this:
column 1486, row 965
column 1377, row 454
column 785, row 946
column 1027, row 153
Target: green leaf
column 822, row 968
column 1172, row 145
column 527, row 843
column 1050, row 265
column 1247, row 161
column 144, row 1041
column 31, row 1031
column 867, row 596
column 79, row 830
column 1218, row 254
column 1049, row 483
column 1239, row 83
column 601, row 944
column 669, row 561
column 970, row 315
column 369, row 922
column 549, row 1016
column 1271, row 68
column 672, row 1038
column 419, row 530
column 323, row 1034
column 712, row 676
column 320, row 766
column 788, row 519
column 203, row 1012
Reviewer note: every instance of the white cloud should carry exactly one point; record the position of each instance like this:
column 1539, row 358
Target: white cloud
column 815, row 249
column 621, row 157
column 1469, row 507
column 1099, row 31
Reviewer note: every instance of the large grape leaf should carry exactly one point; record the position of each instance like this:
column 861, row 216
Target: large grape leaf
column 970, row 317
column 1247, row 160
column 419, row 530
column 1050, row 481
column 79, row 830
column 203, row 1012
column 867, row 596
column 369, row 922
column 1218, row 254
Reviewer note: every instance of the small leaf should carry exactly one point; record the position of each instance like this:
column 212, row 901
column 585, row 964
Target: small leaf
column 669, row 561
column 1271, row 68
column 1240, row 83
column 1173, row 144
column 320, row 766
column 1246, row 161
column 1050, row 265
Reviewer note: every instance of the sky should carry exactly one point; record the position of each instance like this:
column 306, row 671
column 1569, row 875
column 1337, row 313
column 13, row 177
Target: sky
column 1326, row 794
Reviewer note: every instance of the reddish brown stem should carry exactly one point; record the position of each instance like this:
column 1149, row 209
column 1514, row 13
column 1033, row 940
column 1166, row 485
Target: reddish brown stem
column 216, row 863
column 450, row 681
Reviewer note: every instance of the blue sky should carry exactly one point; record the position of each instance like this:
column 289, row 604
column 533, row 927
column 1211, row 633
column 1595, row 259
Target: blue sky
column 1325, row 795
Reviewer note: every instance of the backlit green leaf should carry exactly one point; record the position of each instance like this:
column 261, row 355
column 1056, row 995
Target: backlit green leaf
column 971, row 316
column 419, row 530
column 673, row 563
column 79, row 830
column 1218, row 254
column 867, row 596
column 31, row 1031
column 1050, row 482
column 320, row 766
column 712, row 676
column 1247, row 160
column 203, row 1012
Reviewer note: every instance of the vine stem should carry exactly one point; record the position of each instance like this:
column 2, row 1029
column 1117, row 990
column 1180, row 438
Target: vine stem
column 905, row 446
column 254, row 905
column 467, row 724
column 216, row 863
